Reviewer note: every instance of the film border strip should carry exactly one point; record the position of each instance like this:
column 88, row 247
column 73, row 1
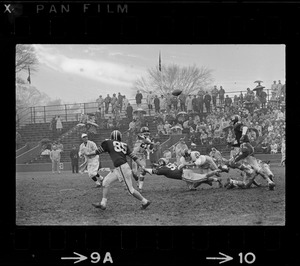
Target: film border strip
column 149, row 245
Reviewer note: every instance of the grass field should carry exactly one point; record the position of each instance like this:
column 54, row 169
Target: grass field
column 44, row 198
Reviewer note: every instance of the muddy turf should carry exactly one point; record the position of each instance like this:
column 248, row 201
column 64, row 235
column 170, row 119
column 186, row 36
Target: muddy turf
column 44, row 198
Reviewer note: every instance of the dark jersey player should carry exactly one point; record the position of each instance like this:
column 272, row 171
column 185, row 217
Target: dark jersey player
column 172, row 171
column 118, row 151
column 240, row 130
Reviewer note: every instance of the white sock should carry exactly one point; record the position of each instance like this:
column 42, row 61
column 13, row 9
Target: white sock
column 144, row 201
column 141, row 184
column 97, row 182
column 101, row 177
column 103, row 201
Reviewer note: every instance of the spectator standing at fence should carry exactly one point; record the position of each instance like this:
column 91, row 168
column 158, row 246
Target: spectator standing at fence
column 138, row 99
column 150, row 101
column 189, row 104
column 100, row 102
column 125, row 103
column 129, row 111
column 107, row 102
column 207, row 101
column 162, row 104
column 221, row 95
column 120, row 101
column 263, row 99
column 174, row 101
column 156, row 102
column 59, row 125
column 52, row 125
column 200, row 102
column 214, row 94
column 182, row 99
column 114, row 103
column 195, row 104
column 55, row 159
column 241, row 98
column 74, row 159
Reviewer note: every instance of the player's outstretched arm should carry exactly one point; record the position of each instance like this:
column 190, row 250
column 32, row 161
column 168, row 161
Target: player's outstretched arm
column 138, row 161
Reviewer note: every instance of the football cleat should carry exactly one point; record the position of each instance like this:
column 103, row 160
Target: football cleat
column 271, row 186
column 99, row 206
column 144, row 206
column 224, row 168
column 220, row 184
column 229, row 183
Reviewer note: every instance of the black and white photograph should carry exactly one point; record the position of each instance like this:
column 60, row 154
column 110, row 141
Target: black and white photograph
column 159, row 135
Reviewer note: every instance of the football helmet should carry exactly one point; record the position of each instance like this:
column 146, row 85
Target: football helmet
column 186, row 153
column 145, row 131
column 162, row 162
column 116, row 135
column 235, row 119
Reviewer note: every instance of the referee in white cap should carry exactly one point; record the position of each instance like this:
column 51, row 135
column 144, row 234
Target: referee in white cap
column 91, row 164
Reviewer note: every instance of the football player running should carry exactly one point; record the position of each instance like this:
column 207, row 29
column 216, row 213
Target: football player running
column 246, row 155
column 173, row 171
column 142, row 146
column 118, row 151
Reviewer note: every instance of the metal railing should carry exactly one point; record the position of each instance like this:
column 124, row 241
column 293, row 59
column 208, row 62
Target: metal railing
column 72, row 112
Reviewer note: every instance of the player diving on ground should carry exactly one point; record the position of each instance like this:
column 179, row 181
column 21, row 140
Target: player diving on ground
column 178, row 172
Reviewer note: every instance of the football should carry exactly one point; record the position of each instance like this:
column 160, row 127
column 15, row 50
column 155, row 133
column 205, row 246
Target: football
column 176, row 92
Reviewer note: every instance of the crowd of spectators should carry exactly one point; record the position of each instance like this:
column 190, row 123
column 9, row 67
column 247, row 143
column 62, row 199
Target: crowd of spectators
column 265, row 119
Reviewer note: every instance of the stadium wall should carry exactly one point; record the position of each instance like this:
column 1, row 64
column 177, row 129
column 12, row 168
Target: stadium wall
column 47, row 167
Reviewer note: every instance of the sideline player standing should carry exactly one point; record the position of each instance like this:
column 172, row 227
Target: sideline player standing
column 118, row 151
column 91, row 162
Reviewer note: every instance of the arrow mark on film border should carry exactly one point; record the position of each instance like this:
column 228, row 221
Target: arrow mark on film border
column 224, row 259
column 79, row 259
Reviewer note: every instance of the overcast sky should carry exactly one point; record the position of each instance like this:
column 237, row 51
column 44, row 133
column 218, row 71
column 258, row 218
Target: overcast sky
column 80, row 73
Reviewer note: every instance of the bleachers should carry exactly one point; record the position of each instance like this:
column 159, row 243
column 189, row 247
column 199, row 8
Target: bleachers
column 74, row 138
column 38, row 131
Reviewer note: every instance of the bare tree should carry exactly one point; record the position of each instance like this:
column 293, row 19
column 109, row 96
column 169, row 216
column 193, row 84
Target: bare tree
column 28, row 95
column 189, row 79
column 26, row 56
